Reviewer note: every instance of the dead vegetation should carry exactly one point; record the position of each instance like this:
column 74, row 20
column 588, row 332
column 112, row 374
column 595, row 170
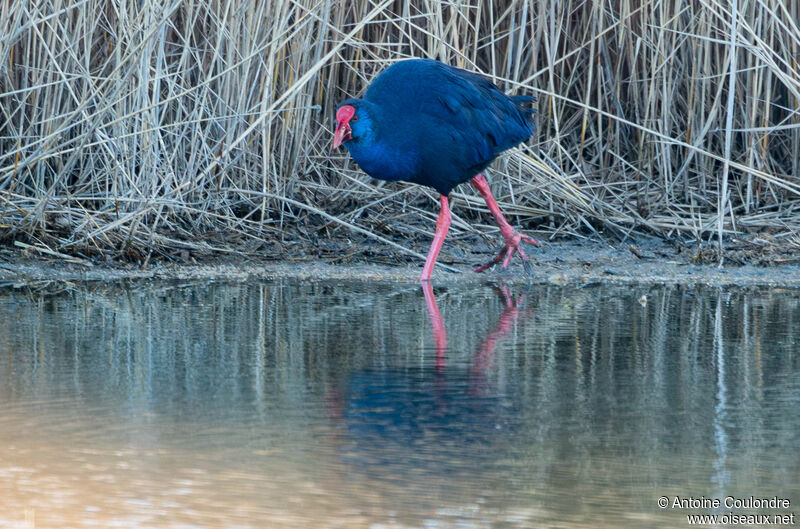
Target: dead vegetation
column 138, row 129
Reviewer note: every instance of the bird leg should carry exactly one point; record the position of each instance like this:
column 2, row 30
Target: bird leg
column 511, row 236
column 442, row 225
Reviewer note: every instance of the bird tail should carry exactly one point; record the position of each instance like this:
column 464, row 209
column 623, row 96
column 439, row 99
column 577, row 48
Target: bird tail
column 524, row 104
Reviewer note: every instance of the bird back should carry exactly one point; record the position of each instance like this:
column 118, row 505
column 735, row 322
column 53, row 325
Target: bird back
column 463, row 121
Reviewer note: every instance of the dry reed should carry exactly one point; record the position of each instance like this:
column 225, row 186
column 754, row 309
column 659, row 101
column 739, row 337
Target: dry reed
column 136, row 127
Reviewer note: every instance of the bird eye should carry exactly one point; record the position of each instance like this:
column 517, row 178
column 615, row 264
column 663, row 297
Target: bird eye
column 354, row 118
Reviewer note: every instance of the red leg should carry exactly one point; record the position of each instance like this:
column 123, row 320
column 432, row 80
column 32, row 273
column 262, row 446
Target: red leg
column 512, row 238
column 439, row 330
column 442, row 225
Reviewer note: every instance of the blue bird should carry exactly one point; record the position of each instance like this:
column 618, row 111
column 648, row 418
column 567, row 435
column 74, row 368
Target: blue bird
column 425, row 122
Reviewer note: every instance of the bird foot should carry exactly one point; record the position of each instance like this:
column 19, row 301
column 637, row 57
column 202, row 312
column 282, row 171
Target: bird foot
column 513, row 244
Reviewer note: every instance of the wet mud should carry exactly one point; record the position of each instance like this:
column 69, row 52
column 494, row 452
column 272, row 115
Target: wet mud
column 567, row 263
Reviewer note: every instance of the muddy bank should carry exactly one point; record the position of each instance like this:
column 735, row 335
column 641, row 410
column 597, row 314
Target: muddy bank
column 575, row 263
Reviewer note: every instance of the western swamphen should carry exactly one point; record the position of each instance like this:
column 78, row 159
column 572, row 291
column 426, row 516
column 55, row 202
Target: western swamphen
column 425, row 122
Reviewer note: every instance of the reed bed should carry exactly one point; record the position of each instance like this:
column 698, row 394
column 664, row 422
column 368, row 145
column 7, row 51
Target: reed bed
column 131, row 129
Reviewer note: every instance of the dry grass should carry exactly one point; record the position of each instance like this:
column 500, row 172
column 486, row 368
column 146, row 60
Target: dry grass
column 129, row 128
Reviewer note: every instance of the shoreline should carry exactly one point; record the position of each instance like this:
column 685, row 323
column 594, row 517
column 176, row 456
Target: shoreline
column 575, row 263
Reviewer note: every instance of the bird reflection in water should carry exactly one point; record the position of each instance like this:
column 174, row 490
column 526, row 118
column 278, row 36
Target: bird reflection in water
column 431, row 417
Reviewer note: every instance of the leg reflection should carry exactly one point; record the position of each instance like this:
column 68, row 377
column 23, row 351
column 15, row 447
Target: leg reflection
column 483, row 356
column 482, row 359
column 435, row 317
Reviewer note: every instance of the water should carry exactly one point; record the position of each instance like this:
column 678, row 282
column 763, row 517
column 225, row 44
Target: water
column 351, row 405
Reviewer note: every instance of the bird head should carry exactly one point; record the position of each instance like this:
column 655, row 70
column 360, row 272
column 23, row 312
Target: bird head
column 352, row 122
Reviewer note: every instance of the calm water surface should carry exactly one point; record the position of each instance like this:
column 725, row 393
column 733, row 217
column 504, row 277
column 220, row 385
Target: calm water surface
column 322, row 405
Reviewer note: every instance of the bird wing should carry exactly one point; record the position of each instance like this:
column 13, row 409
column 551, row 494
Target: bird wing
column 466, row 107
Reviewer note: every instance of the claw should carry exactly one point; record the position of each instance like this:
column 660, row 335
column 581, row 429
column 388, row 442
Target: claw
column 513, row 245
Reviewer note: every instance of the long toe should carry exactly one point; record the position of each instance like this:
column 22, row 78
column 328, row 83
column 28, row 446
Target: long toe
column 509, row 253
column 491, row 262
column 513, row 245
column 529, row 239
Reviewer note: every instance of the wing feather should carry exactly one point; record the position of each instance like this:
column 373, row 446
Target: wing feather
column 487, row 119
